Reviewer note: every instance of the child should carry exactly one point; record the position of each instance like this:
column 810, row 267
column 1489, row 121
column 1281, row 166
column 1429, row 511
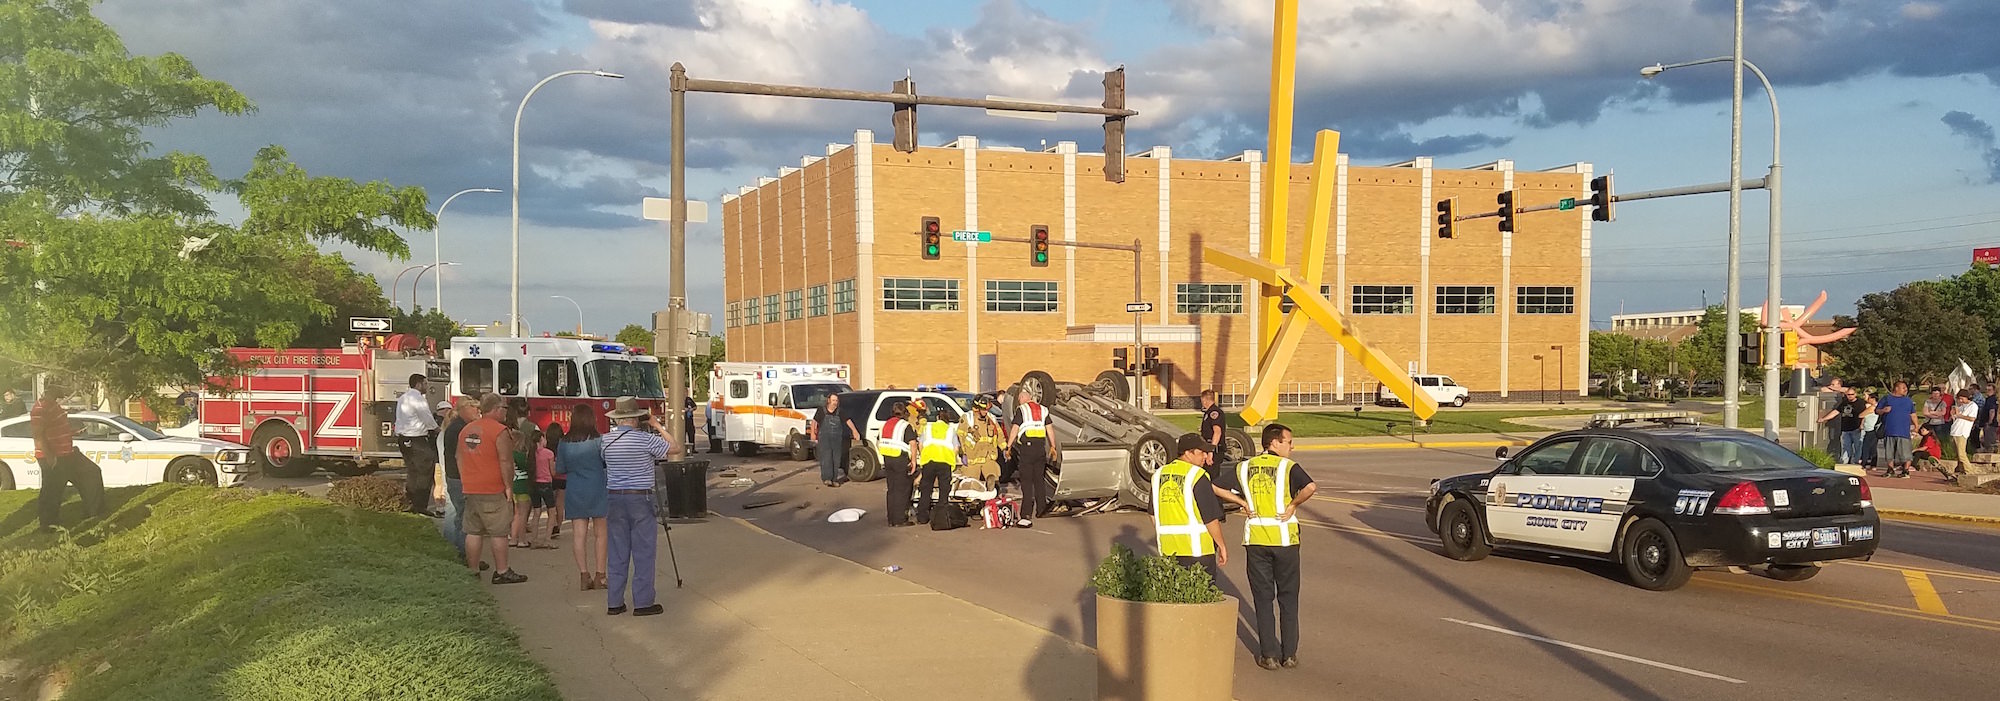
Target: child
column 524, row 483
column 542, row 495
column 1927, row 454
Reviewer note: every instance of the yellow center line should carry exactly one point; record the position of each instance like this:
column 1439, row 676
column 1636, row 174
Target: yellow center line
column 1837, row 602
column 1926, row 595
column 1973, row 576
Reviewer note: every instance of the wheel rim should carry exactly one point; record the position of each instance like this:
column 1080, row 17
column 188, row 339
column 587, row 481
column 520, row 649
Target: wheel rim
column 1650, row 551
column 1033, row 385
column 1461, row 531
column 278, row 451
column 1152, row 456
column 189, row 473
column 1233, row 450
column 857, row 465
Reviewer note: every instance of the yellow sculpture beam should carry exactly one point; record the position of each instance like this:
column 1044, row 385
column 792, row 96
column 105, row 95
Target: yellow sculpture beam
column 1277, row 165
column 1326, row 154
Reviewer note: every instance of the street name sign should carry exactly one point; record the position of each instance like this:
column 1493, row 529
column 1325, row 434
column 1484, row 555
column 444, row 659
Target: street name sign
column 972, row 236
column 368, row 323
column 1566, row 204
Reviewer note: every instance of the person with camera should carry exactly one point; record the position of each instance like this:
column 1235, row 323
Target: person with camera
column 631, row 449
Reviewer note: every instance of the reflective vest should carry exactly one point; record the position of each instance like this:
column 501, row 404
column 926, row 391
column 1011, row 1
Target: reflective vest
column 940, row 443
column 1267, row 484
column 1176, row 519
column 890, row 444
column 1034, row 421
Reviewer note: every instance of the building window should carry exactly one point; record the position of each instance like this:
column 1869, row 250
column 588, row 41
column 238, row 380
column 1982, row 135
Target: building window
column 1465, row 299
column 770, row 309
column 1384, row 299
column 843, row 296
column 732, row 315
column 750, row 315
column 919, row 294
column 1021, row 296
column 1208, row 298
column 816, row 300
column 795, row 304
column 1545, row 300
column 1286, row 305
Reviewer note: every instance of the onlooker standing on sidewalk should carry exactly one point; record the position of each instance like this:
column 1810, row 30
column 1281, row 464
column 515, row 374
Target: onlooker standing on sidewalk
column 485, row 466
column 580, row 459
column 1898, row 417
column 1963, row 415
column 1983, row 427
column 1851, row 408
column 542, row 494
column 416, row 431
column 1938, row 407
column 1831, row 398
column 467, row 411
column 1871, row 430
column 830, row 432
column 687, row 424
column 62, row 464
column 11, row 405
column 633, row 531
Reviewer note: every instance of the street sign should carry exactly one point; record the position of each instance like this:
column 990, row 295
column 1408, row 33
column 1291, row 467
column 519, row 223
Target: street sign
column 662, row 209
column 368, row 323
column 1989, row 256
column 972, row 236
column 1566, row 204
column 1139, row 307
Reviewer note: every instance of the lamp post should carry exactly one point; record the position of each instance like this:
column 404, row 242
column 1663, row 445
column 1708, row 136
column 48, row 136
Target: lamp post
column 514, row 308
column 579, row 312
column 1559, row 373
column 419, row 282
column 1772, row 336
column 1542, row 389
column 437, row 246
column 397, row 286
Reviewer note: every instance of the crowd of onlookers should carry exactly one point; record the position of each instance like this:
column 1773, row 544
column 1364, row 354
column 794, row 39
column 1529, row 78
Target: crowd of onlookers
column 1892, row 432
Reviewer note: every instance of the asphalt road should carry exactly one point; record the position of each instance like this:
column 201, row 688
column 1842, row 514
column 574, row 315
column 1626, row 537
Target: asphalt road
column 1386, row 616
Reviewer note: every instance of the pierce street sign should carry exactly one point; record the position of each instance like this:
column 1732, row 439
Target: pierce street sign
column 1139, row 307
column 368, row 323
column 972, row 236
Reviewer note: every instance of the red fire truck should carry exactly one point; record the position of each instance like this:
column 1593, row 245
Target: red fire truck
column 304, row 408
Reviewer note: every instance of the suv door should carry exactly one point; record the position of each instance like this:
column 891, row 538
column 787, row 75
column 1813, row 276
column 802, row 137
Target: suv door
column 1512, row 497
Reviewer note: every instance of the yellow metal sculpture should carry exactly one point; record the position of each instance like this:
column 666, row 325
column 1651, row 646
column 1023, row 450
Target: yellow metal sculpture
column 1280, row 333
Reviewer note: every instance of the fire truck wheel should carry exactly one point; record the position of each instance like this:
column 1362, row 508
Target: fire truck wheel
column 800, row 448
column 349, row 468
column 190, row 470
column 275, row 446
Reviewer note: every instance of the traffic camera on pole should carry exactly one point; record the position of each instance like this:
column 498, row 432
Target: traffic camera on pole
column 933, row 238
column 1038, row 248
column 1447, row 215
column 1506, row 200
column 1600, row 198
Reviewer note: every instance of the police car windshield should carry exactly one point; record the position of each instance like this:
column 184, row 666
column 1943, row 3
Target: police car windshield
column 814, row 396
column 1726, row 453
column 622, row 378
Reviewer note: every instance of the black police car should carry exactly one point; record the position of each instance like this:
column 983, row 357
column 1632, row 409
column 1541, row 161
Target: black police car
column 1662, row 500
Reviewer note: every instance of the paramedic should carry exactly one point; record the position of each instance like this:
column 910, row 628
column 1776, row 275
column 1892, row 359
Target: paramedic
column 1187, row 513
column 416, row 433
column 895, row 446
column 938, row 451
column 1028, row 436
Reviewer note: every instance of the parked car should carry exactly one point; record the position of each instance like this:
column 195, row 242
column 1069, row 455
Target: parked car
column 1440, row 387
column 129, row 453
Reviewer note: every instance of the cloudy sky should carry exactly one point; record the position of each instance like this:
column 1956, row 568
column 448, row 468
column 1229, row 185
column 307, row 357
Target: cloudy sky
column 1892, row 162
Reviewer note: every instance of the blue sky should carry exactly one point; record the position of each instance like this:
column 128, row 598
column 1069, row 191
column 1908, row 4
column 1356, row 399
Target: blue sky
column 1890, row 162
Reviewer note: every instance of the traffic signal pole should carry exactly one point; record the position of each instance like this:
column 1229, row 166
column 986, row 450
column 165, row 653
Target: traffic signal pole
column 1708, row 189
column 1138, row 294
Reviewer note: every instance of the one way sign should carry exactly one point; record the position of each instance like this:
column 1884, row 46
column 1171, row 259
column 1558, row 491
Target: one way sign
column 368, row 323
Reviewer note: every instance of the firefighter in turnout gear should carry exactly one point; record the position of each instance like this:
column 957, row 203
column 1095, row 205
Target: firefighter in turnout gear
column 897, row 447
column 1273, row 487
column 1187, row 511
column 937, row 450
column 1028, row 436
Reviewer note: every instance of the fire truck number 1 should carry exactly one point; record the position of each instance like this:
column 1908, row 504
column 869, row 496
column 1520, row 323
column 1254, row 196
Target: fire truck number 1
column 524, row 349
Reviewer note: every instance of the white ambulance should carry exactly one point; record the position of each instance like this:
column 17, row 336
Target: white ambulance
column 769, row 405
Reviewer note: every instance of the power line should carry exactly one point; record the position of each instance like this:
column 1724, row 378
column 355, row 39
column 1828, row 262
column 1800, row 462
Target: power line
column 1821, row 256
column 1794, row 242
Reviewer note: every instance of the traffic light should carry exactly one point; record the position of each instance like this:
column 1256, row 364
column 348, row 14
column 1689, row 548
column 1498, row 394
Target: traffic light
column 1749, row 348
column 1119, row 359
column 1152, row 362
column 1114, row 127
column 1600, row 198
column 905, row 119
column 1038, row 249
column 1791, row 352
column 1506, row 201
column 1447, row 214
column 933, row 238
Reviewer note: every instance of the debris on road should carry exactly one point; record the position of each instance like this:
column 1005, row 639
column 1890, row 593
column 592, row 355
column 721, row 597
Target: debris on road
column 849, row 515
column 741, row 482
column 762, row 502
column 892, row 569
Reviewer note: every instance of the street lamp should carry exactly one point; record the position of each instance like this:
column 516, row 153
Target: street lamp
column 437, row 246
column 1772, row 336
column 514, row 313
column 1559, row 373
column 579, row 313
column 419, row 282
column 397, row 286
column 1542, row 389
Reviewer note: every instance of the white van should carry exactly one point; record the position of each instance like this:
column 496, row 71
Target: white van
column 1442, row 390
column 768, row 405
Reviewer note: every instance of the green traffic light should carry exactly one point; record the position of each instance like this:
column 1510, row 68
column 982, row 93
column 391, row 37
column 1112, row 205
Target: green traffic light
column 933, row 250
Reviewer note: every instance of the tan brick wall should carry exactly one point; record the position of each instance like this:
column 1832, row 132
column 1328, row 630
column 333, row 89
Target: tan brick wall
column 919, row 347
column 843, row 328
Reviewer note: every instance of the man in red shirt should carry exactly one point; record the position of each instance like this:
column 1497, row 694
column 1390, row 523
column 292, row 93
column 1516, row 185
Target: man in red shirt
column 61, row 463
column 485, row 472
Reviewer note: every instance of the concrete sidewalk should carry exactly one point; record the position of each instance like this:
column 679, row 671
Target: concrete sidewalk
column 1955, row 506
column 762, row 617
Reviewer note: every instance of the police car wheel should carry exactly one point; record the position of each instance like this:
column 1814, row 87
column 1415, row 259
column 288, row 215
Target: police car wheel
column 1464, row 537
column 191, row 470
column 1791, row 573
column 1652, row 559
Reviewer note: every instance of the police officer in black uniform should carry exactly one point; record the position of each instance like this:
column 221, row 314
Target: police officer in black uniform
column 1211, row 421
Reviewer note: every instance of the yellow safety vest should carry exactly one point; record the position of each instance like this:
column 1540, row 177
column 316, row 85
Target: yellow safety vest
column 1034, row 421
column 1267, row 484
column 890, row 443
column 940, row 443
column 1176, row 519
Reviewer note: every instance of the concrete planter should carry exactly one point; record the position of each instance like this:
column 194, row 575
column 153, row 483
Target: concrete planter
column 1165, row 652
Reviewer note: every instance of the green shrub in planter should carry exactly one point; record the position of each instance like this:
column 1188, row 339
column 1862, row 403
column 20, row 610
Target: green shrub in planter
column 371, row 493
column 1817, row 457
column 1152, row 578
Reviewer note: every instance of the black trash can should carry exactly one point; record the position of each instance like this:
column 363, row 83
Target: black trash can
column 682, row 487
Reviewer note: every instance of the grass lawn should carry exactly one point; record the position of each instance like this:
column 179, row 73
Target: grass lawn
column 198, row 593
column 1333, row 424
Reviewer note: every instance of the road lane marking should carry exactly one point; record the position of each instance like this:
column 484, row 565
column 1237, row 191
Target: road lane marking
column 1926, row 595
column 1596, row 651
column 1974, row 576
column 1857, row 605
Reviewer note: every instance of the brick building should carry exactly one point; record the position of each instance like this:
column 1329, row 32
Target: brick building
column 823, row 264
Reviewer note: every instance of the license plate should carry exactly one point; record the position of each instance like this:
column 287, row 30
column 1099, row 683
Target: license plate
column 1860, row 533
column 1826, row 537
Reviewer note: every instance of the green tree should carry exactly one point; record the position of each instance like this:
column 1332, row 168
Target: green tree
column 636, row 336
column 703, row 365
column 1908, row 333
column 1702, row 356
column 1975, row 292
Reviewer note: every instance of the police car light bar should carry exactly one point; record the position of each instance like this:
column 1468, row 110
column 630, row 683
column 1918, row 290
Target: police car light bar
column 1683, row 418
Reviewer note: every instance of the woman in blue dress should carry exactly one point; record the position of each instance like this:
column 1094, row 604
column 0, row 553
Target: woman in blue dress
column 580, row 460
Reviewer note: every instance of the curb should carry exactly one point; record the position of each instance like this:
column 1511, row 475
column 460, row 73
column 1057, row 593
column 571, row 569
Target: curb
column 1406, row 445
column 1907, row 514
